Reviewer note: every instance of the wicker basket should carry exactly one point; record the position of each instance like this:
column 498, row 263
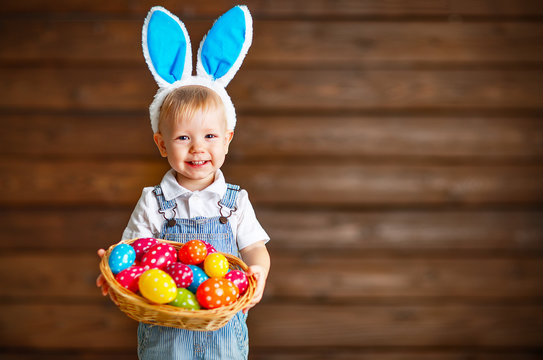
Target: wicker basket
column 138, row 308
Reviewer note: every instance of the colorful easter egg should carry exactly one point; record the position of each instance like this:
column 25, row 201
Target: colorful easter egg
column 180, row 273
column 210, row 248
column 198, row 277
column 157, row 286
column 159, row 256
column 142, row 245
column 217, row 292
column 128, row 278
column 186, row 300
column 193, row 252
column 121, row 257
column 216, row 265
column 239, row 279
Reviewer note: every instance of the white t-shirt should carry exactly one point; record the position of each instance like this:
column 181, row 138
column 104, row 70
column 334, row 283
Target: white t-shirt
column 146, row 221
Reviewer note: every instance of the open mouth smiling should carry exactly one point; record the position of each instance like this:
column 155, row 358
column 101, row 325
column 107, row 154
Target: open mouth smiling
column 198, row 163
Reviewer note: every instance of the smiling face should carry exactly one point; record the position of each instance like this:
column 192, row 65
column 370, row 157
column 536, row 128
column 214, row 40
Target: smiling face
column 195, row 141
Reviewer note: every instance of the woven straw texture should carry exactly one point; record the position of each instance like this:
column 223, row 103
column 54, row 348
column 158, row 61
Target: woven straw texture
column 140, row 309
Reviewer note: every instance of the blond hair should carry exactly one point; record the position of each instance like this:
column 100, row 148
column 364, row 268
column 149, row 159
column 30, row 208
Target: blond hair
column 185, row 101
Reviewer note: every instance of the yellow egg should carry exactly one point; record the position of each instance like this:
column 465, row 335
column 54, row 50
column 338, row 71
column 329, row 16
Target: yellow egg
column 157, row 286
column 216, row 265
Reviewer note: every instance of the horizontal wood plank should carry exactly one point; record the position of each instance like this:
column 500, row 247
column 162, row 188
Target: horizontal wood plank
column 314, row 277
column 132, row 88
column 286, row 325
column 362, row 232
column 120, row 183
column 287, row 43
column 465, row 138
column 335, row 353
column 288, row 8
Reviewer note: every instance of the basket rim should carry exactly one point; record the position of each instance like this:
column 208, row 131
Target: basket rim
column 169, row 310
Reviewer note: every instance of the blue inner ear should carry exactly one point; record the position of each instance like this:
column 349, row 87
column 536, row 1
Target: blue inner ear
column 167, row 46
column 223, row 43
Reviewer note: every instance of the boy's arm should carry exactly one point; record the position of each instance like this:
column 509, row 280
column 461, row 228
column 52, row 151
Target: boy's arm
column 256, row 256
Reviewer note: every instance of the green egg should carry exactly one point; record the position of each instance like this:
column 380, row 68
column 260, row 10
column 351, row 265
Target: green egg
column 185, row 299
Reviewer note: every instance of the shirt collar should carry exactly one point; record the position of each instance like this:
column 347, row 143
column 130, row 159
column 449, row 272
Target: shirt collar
column 171, row 188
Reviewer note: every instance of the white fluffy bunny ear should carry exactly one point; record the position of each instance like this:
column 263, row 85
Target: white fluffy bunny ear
column 224, row 47
column 166, row 47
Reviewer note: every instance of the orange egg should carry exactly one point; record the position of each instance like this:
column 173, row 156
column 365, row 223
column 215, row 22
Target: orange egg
column 217, row 292
column 193, row 252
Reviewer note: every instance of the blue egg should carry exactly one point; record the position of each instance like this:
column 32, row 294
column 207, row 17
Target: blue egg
column 198, row 277
column 121, row 257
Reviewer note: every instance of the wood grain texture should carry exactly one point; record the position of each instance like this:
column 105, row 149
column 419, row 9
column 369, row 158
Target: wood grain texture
column 76, row 88
column 351, row 184
column 318, row 276
column 391, row 137
column 346, row 8
column 392, row 150
column 366, row 233
column 70, row 326
column 287, row 43
column 303, row 353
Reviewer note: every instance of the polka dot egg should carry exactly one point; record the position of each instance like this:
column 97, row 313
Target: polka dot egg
column 199, row 276
column 142, row 245
column 181, row 274
column 216, row 265
column 157, row 286
column 210, row 248
column 217, row 292
column 186, row 300
column 129, row 278
column 122, row 257
column 193, row 252
column 159, row 256
column 239, row 278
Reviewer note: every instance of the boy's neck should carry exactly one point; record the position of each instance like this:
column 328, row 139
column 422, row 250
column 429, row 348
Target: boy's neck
column 194, row 185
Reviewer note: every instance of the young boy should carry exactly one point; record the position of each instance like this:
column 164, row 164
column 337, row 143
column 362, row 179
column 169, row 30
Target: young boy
column 193, row 201
column 193, row 121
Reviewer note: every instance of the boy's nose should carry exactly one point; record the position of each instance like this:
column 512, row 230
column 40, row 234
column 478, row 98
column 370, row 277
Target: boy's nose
column 197, row 146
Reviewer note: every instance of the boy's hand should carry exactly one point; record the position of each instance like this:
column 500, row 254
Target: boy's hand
column 260, row 275
column 102, row 283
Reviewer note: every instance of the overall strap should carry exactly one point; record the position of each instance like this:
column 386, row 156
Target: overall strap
column 230, row 197
column 163, row 204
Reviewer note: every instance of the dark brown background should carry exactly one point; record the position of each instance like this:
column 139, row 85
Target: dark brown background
column 392, row 149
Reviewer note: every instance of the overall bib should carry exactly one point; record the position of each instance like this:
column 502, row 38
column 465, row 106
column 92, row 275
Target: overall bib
column 230, row 341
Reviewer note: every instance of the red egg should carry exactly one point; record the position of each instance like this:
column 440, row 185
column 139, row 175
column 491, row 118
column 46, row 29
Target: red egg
column 128, row 278
column 239, row 278
column 217, row 292
column 193, row 252
column 180, row 273
column 142, row 246
column 159, row 256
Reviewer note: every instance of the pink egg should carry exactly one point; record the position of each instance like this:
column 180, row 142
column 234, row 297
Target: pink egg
column 128, row 278
column 210, row 248
column 159, row 256
column 142, row 245
column 180, row 273
column 239, row 278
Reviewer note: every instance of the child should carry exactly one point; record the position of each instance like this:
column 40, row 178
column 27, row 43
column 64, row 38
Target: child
column 193, row 121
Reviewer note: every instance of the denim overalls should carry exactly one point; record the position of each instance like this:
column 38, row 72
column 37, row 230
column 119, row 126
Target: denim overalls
column 230, row 341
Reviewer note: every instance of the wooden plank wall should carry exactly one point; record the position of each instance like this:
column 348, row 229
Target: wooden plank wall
column 392, row 149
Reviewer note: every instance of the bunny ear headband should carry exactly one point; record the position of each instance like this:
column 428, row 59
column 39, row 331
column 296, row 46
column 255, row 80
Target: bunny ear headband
column 168, row 53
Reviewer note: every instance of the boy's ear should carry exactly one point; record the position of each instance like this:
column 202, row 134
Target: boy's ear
column 228, row 137
column 159, row 141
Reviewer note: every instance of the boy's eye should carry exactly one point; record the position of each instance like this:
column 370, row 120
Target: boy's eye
column 183, row 137
column 211, row 136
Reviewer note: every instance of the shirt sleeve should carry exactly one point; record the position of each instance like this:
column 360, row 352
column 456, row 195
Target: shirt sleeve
column 249, row 230
column 140, row 225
